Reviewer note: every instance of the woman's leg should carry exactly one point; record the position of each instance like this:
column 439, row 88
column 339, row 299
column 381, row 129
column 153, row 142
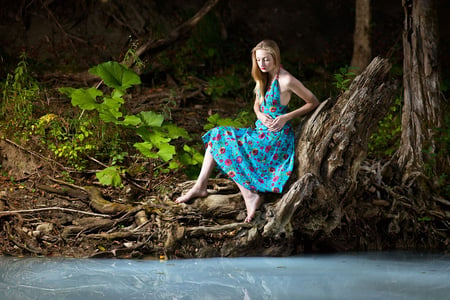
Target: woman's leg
column 199, row 188
column 252, row 202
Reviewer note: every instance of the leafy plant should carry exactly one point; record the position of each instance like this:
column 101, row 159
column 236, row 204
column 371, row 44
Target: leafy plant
column 242, row 120
column 131, row 56
column 72, row 142
column 19, row 91
column 437, row 157
column 385, row 141
column 344, row 78
column 222, row 86
column 151, row 127
column 110, row 176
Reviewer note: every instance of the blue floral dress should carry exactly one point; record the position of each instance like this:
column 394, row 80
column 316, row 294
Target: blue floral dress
column 256, row 158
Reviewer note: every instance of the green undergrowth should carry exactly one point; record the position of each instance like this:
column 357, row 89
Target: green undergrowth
column 386, row 139
column 98, row 128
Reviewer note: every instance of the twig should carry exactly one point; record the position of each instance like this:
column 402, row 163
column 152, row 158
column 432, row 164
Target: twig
column 125, row 177
column 98, row 162
column 68, row 184
column 205, row 229
column 11, row 212
column 140, row 226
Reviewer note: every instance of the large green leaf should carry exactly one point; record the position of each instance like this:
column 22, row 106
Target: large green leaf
column 166, row 152
column 158, row 137
column 144, row 132
column 154, row 135
column 109, row 115
column 150, row 118
column 116, row 75
column 109, row 110
column 146, row 149
column 86, row 98
column 131, row 120
column 113, row 103
column 174, row 132
column 110, row 176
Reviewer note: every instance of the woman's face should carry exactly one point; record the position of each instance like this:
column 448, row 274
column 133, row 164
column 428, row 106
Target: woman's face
column 264, row 60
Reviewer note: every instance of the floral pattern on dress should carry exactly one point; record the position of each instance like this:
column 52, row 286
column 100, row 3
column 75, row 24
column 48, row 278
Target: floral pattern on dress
column 258, row 159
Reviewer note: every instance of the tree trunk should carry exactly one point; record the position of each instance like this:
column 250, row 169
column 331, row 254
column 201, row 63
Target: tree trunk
column 332, row 143
column 362, row 51
column 422, row 100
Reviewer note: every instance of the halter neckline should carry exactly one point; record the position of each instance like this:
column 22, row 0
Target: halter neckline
column 276, row 77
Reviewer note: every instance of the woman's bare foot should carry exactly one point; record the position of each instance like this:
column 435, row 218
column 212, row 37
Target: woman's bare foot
column 194, row 192
column 252, row 202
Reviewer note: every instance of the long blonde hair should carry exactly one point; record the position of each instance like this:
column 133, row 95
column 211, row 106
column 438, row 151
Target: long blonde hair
column 260, row 78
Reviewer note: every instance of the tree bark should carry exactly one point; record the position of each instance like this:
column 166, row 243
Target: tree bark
column 332, row 145
column 362, row 51
column 422, row 100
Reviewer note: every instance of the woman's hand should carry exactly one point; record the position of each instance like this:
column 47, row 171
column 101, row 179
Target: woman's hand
column 272, row 124
column 277, row 124
column 266, row 119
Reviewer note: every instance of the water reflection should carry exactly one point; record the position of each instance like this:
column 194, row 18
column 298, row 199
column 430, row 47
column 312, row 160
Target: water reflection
column 339, row 276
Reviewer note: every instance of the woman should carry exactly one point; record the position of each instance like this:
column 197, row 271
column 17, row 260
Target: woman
column 259, row 159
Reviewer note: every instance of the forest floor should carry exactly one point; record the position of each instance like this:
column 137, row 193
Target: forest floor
column 46, row 210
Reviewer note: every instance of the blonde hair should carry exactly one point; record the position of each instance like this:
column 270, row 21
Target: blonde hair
column 259, row 77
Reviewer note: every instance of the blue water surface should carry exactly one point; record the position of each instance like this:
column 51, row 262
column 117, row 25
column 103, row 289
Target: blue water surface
column 373, row 275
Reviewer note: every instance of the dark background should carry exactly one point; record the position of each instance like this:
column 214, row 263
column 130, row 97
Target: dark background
column 73, row 35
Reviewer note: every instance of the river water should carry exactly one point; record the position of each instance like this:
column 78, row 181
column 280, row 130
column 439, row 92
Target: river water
column 372, row 275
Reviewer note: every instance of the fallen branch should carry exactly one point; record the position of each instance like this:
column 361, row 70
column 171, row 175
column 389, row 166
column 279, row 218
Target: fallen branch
column 180, row 31
column 112, row 235
column 68, row 184
column 36, row 210
column 72, row 193
column 98, row 203
column 200, row 230
column 124, row 177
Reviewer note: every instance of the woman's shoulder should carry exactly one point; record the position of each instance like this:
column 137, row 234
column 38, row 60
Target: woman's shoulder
column 286, row 78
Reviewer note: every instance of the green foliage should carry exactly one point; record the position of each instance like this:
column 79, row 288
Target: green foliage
column 344, row 78
column 71, row 141
column 20, row 89
column 222, row 86
column 116, row 75
column 205, row 52
column 191, row 156
column 189, row 58
column 110, row 176
column 437, row 157
column 156, row 134
column 132, row 57
column 386, row 140
column 242, row 120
